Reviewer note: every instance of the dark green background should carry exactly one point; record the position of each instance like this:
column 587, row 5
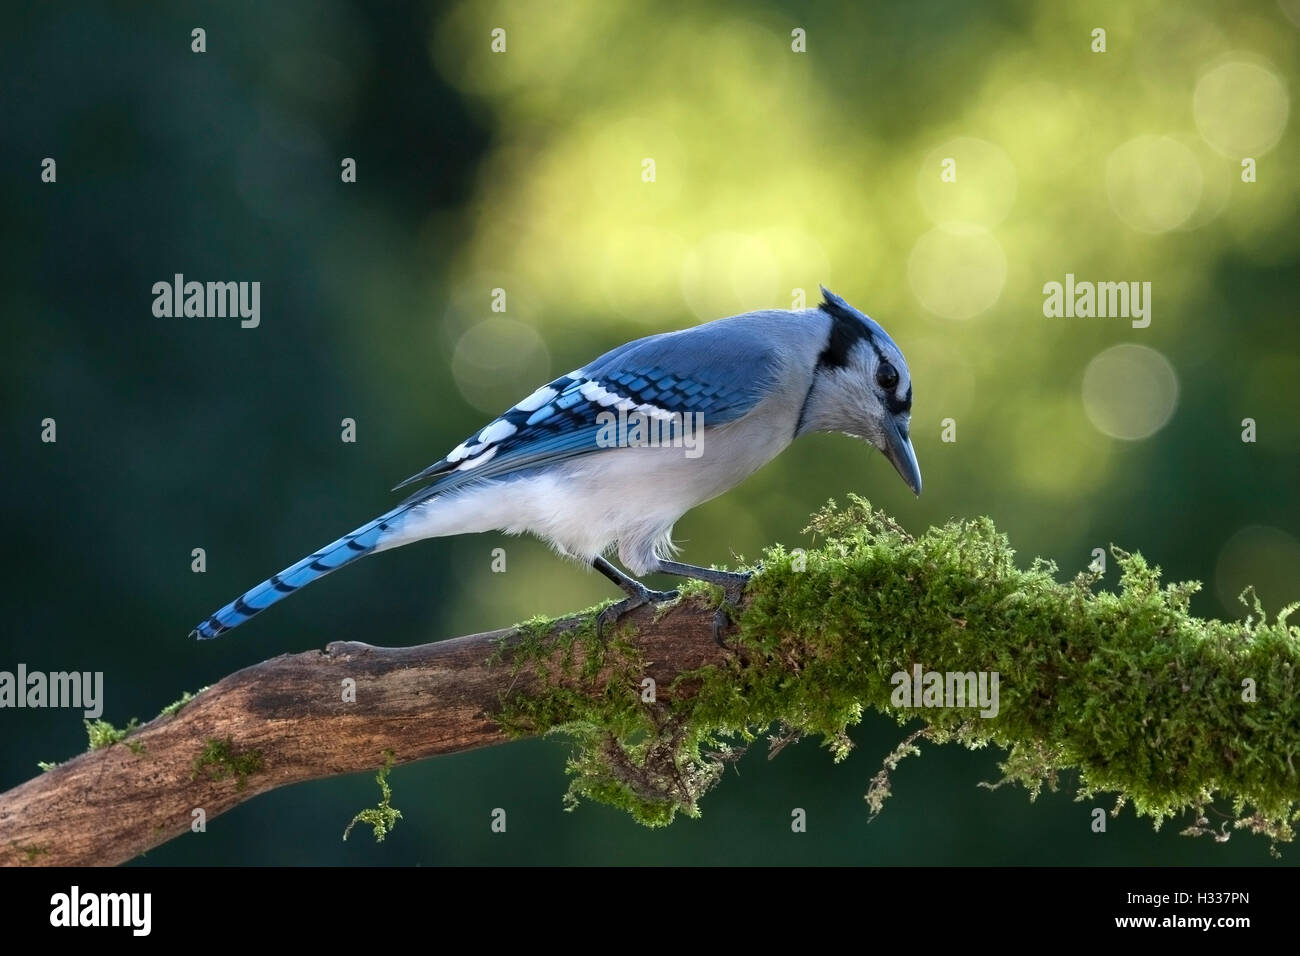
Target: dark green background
column 775, row 170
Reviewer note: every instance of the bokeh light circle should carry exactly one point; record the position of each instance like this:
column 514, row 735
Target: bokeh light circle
column 1216, row 182
column 1267, row 559
column 1154, row 183
column 957, row 270
column 499, row 361
column 1129, row 392
column 1241, row 108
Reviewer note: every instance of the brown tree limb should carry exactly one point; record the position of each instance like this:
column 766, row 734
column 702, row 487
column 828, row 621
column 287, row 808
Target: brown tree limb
column 287, row 718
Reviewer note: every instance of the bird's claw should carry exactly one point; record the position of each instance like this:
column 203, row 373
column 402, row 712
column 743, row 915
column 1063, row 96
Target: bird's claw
column 611, row 614
column 731, row 595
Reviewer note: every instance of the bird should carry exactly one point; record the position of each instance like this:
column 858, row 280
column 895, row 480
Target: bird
column 568, row 465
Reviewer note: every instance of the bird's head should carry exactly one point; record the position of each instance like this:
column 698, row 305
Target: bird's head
column 861, row 386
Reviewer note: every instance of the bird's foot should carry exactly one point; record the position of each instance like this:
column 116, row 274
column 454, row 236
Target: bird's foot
column 732, row 591
column 634, row 600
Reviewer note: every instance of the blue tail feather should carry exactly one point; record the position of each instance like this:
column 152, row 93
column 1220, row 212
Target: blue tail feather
column 333, row 556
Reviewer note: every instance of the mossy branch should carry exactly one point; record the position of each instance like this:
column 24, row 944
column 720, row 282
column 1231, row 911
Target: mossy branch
column 1170, row 712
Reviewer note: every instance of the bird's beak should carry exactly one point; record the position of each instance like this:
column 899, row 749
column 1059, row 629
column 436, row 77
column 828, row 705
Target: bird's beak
column 898, row 449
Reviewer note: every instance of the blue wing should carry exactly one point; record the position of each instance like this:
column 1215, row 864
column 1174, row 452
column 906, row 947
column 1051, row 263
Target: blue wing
column 718, row 370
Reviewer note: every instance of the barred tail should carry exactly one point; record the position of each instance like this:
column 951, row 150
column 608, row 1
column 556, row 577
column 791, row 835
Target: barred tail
column 279, row 586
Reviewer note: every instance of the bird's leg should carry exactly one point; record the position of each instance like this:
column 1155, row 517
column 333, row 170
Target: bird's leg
column 637, row 594
column 732, row 584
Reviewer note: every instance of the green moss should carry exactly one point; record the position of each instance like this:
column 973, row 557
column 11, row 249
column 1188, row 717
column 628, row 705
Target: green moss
column 174, row 707
column 30, row 852
column 219, row 760
column 1126, row 687
column 385, row 816
column 103, row 734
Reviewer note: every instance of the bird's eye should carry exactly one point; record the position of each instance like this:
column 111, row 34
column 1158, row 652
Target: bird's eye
column 887, row 376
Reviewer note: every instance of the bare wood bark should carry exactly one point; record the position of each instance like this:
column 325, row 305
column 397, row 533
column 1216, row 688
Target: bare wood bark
column 109, row 805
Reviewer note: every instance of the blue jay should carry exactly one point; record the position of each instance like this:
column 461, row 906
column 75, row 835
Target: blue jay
column 755, row 382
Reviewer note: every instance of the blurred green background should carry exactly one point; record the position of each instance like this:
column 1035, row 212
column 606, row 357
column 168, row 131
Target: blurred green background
column 523, row 170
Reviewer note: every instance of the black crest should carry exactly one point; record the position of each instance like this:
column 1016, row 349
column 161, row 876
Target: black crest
column 847, row 330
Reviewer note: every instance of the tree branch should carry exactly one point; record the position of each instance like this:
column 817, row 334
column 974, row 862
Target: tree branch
column 285, row 720
column 1167, row 710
